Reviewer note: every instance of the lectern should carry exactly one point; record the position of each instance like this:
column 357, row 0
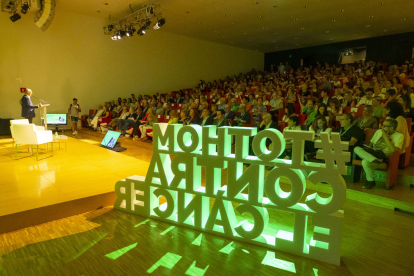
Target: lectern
column 43, row 114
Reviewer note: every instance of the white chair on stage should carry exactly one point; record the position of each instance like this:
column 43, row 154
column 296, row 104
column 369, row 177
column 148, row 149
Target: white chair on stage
column 27, row 134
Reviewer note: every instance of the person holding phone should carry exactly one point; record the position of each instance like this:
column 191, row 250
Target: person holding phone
column 74, row 110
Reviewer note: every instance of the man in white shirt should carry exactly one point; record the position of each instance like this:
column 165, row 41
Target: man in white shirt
column 74, row 110
column 384, row 142
column 367, row 99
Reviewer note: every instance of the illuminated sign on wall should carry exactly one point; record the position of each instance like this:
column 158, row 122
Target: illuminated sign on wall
column 178, row 180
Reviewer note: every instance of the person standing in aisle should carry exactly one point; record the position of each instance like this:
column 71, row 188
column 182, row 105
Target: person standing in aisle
column 73, row 111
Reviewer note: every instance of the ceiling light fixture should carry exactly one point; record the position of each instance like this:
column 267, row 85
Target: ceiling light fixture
column 25, row 8
column 368, row 26
column 159, row 24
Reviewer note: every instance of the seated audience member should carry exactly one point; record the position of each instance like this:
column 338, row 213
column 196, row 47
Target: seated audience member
column 265, row 100
column 367, row 120
column 377, row 92
column 244, row 102
column 287, row 115
column 276, row 103
column 145, row 107
column 309, row 108
column 257, row 111
column 213, row 113
column 405, row 101
column 242, row 117
column 292, row 124
column 179, row 99
column 234, row 106
column 321, row 110
column 377, row 107
column 159, row 110
column 337, row 95
column 167, row 108
column 194, row 117
column 220, row 120
column 223, row 102
column 335, row 107
column 141, row 119
column 252, row 100
column 348, row 101
column 395, row 111
column 129, row 121
column 173, row 117
column 350, row 132
column 147, row 125
column 185, row 109
column 324, row 98
column 95, row 117
column 267, row 123
column 367, row 98
column 319, row 126
column 114, row 123
column 229, row 114
column 384, row 142
column 390, row 96
column 206, row 120
column 102, row 118
column 183, row 118
column 291, row 99
column 358, row 94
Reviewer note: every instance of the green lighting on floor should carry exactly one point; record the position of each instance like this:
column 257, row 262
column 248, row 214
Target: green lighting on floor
column 227, row 249
column 197, row 241
column 270, row 260
column 153, row 226
column 315, row 270
column 116, row 254
column 143, row 222
column 195, row 271
column 169, row 260
column 168, row 230
column 245, row 251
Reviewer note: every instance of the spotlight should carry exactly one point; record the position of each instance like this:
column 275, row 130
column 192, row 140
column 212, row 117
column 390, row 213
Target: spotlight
column 159, row 24
column 144, row 28
column 130, row 31
column 114, row 37
column 110, row 27
column 25, row 8
column 15, row 17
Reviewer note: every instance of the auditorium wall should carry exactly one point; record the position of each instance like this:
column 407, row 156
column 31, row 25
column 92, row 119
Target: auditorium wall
column 74, row 59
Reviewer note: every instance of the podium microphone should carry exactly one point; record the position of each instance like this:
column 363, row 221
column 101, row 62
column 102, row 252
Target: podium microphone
column 40, row 99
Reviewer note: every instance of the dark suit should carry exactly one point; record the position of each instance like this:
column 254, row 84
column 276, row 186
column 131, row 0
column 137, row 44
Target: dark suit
column 180, row 100
column 208, row 122
column 244, row 117
column 138, row 123
column 230, row 115
column 273, row 125
column 194, row 121
column 28, row 109
column 224, row 122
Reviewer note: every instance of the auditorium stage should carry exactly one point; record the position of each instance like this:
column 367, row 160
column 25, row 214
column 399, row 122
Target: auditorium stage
column 79, row 180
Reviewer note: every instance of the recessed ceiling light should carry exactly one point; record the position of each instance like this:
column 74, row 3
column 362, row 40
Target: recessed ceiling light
column 302, row 28
column 333, row 20
column 187, row 33
column 355, row 34
column 371, row 16
column 245, row 33
column 106, row 4
column 306, row 7
column 295, row 19
column 403, row 19
column 368, row 26
column 225, row 15
column 264, row 28
column 257, row 3
column 296, row 38
column 261, row 16
column 327, row 32
column 385, row 31
column 200, row 22
column 342, row 10
column 381, row 3
column 98, row 11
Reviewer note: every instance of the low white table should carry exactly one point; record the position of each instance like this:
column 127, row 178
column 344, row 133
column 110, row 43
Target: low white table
column 60, row 140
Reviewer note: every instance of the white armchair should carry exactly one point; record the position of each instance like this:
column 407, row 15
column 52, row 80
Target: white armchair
column 22, row 122
column 27, row 134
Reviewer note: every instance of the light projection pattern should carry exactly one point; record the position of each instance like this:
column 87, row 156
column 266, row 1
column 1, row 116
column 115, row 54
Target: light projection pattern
column 118, row 253
column 178, row 180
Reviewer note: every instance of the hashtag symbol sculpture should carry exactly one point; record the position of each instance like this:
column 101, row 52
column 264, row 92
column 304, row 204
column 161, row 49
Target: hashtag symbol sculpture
column 332, row 151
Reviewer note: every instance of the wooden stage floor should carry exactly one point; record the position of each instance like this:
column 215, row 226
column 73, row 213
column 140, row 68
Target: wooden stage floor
column 376, row 241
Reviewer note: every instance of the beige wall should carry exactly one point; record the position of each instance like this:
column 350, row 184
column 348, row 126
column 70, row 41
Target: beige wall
column 74, row 59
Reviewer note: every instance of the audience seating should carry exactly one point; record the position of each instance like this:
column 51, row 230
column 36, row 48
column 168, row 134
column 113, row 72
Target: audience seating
column 405, row 157
column 391, row 166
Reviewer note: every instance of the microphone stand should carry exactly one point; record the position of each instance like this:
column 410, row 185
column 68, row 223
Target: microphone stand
column 40, row 99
